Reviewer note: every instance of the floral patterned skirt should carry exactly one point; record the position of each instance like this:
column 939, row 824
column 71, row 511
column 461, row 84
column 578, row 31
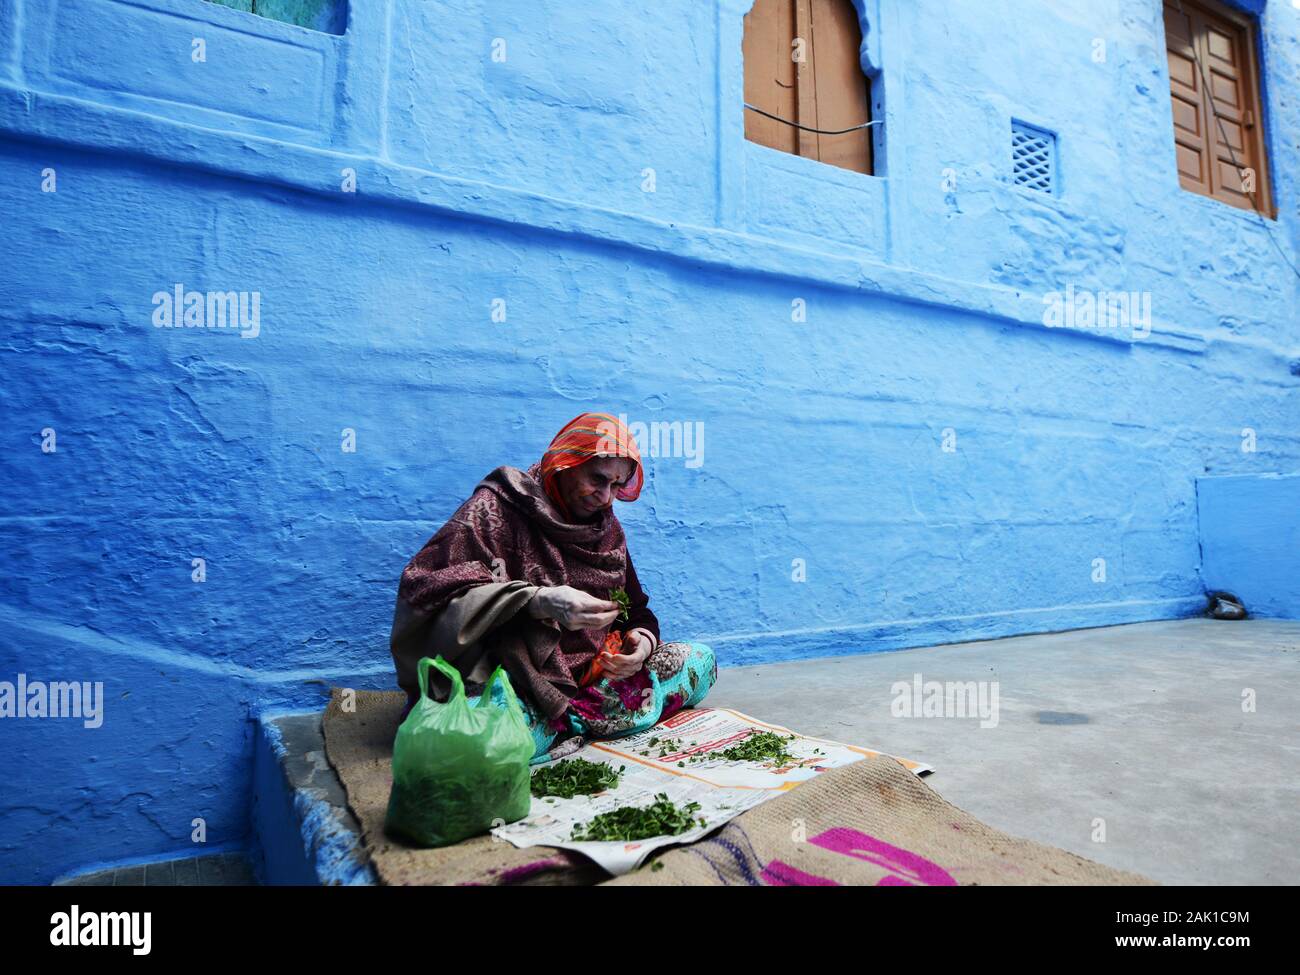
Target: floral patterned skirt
column 675, row 676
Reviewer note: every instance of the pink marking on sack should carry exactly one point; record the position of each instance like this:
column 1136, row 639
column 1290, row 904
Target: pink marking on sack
column 528, row 869
column 905, row 867
column 780, row 874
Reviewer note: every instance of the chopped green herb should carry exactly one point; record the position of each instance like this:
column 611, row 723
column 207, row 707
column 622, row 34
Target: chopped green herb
column 763, row 746
column 432, row 810
column 574, row 776
column 626, row 823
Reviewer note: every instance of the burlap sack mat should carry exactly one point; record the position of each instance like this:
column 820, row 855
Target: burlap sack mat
column 870, row 823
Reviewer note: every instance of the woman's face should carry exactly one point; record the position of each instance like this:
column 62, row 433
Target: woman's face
column 588, row 489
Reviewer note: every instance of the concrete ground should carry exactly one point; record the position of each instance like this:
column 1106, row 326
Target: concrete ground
column 1140, row 726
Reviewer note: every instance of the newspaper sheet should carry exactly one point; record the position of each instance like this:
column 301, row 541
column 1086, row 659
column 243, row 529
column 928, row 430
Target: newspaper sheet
column 690, row 771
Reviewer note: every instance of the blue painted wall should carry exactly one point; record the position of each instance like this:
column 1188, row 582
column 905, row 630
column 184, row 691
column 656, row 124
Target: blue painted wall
column 597, row 180
column 1250, row 540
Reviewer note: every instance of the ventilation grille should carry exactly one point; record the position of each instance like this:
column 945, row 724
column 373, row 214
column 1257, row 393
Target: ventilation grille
column 1033, row 153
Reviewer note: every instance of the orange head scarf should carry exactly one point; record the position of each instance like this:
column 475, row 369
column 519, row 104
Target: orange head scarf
column 586, row 436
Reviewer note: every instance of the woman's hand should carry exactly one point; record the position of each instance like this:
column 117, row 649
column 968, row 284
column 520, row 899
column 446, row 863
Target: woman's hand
column 572, row 608
column 620, row 666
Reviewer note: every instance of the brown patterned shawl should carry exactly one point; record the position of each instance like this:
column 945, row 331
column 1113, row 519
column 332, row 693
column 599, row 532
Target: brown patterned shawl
column 511, row 518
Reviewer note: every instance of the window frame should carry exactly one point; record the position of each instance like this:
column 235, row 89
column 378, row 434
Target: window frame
column 866, row 67
column 1246, row 28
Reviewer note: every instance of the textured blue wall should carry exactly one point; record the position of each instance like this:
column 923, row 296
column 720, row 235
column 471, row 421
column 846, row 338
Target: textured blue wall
column 598, row 181
column 1250, row 540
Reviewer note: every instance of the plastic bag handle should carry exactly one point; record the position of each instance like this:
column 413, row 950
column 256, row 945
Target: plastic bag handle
column 448, row 671
column 507, row 691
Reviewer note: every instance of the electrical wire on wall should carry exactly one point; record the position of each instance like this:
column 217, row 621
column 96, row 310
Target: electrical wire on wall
column 808, row 128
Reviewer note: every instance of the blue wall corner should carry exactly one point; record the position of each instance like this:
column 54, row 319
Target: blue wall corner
column 1250, row 540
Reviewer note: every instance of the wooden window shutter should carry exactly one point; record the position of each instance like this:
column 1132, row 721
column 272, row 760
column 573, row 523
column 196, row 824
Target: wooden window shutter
column 770, row 74
column 825, row 89
column 1215, row 93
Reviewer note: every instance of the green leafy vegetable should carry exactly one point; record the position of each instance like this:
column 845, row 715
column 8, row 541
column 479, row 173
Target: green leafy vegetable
column 575, row 777
column 764, row 746
column 624, row 601
column 432, row 810
column 661, row 818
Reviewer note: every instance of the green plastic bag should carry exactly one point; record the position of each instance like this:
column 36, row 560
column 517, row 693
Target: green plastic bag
column 459, row 768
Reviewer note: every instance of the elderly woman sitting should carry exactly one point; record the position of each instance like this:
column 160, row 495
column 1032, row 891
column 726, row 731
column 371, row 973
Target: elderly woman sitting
column 523, row 574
